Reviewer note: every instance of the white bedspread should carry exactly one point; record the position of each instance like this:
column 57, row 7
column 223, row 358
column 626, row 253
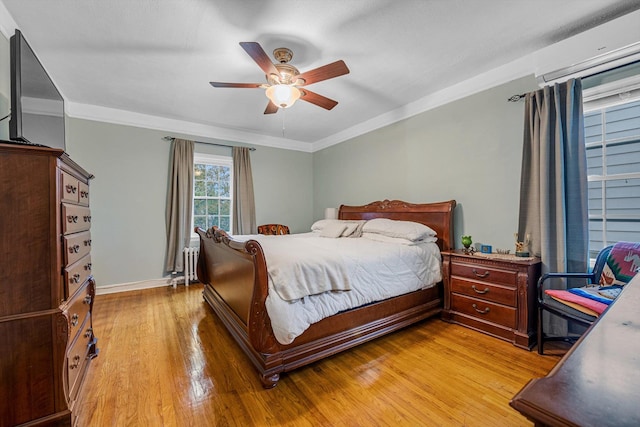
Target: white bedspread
column 373, row 271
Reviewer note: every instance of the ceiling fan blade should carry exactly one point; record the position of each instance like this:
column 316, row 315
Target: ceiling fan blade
column 258, row 54
column 319, row 100
column 240, row 85
column 271, row 108
column 325, row 72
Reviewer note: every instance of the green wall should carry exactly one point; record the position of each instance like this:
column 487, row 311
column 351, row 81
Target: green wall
column 468, row 150
column 128, row 194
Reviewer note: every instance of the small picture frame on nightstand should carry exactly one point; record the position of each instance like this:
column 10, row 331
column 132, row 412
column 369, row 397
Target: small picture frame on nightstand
column 486, row 249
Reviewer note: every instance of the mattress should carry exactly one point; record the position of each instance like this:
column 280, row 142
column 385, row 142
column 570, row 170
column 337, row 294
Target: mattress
column 375, row 271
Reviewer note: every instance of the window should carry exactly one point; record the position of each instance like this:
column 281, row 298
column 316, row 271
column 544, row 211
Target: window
column 612, row 137
column 212, row 191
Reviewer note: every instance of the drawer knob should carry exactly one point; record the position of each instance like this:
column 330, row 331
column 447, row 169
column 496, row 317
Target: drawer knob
column 76, row 362
column 71, row 189
column 88, row 333
column 72, row 218
column 74, row 249
column 75, row 278
column 482, row 276
column 74, row 319
column 87, row 299
column 87, row 218
column 485, row 311
column 478, row 291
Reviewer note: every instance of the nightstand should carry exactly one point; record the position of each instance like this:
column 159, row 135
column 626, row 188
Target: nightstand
column 492, row 293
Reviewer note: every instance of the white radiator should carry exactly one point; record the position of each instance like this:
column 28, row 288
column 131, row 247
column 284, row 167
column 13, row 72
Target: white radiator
column 190, row 263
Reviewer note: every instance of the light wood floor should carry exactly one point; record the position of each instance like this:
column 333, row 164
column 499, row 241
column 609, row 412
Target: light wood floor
column 166, row 360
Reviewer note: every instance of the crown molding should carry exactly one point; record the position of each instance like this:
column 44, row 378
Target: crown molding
column 130, row 118
column 7, row 24
column 513, row 70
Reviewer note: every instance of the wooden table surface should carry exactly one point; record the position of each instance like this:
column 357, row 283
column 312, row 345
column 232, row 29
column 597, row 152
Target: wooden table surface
column 597, row 383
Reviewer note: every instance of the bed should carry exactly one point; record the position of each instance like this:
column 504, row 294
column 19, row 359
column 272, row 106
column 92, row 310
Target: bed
column 236, row 286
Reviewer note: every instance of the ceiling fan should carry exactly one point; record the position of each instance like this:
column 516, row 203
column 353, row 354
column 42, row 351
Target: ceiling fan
column 285, row 84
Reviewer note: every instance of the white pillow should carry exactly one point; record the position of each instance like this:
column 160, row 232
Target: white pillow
column 353, row 227
column 403, row 229
column 322, row 223
column 398, row 240
column 333, row 230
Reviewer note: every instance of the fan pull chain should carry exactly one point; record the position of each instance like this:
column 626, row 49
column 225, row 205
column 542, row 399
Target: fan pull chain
column 283, row 115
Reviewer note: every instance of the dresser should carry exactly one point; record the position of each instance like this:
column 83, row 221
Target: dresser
column 46, row 286
column 493, row 294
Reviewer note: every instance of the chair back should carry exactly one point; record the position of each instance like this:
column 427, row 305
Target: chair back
column 273, row 229
column 621, row 264
column 601, row 260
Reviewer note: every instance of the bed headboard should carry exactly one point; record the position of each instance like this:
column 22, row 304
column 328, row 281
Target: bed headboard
column 438, row 216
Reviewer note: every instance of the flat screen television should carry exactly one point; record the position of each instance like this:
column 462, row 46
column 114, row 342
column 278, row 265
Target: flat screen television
column 37, row 107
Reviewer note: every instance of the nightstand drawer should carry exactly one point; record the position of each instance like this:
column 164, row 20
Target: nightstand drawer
column 486, row 291
column 481, row 309
column 485, row 274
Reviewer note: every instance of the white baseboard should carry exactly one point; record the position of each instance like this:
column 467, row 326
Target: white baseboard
column 132, row 286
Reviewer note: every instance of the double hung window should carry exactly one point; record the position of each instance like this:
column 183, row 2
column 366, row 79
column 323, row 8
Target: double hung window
column 612, row 137
column 212, row 191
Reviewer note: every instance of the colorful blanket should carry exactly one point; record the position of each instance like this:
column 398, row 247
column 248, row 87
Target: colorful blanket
column 622, row 264
column 568, row 297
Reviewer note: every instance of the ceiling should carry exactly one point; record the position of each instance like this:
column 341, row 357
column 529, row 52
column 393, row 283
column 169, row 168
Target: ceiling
column 149, row 62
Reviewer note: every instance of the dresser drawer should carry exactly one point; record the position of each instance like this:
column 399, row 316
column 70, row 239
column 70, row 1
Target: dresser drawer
column 70, row 189
column 77, row 356
column 78, row 310
column 76, row 246
column 75, row 218
column 477, row 289
column 481, row 309
column 76, row 274
column 485, row 274
column 83, row 195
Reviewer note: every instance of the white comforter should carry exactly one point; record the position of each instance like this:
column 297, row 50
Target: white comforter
column 373, row 271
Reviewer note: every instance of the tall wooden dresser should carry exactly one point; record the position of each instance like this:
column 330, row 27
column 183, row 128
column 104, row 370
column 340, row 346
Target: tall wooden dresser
column 46, row 286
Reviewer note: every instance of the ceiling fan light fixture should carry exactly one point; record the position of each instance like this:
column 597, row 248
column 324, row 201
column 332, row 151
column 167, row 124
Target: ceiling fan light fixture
column 284, row 96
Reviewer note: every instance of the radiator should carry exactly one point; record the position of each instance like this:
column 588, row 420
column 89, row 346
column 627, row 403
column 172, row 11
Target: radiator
column 190, row 263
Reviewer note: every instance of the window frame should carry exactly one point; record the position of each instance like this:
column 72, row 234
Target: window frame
column 599, row 99
column 215, row 160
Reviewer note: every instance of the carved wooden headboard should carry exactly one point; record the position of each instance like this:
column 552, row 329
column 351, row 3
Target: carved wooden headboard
column 438, row 216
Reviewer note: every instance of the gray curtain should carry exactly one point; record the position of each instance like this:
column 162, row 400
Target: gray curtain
column 553, row 187
column 179, row 203
column 244, row 207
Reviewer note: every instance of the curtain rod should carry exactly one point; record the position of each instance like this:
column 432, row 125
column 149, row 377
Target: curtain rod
column 171, row 138
column 516, row 98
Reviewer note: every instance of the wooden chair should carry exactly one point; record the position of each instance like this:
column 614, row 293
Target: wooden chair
column 273, row 229
column 593, row 278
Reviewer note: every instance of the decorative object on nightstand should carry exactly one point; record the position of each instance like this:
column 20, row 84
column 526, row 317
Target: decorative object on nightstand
column 492, row 293
column 486, row 249
column 522, row 248
column 466, row 242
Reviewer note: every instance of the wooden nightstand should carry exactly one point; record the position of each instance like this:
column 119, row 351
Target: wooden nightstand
column 492, row 294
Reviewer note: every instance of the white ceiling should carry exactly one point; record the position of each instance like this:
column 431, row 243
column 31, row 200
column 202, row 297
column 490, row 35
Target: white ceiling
column 149, row 62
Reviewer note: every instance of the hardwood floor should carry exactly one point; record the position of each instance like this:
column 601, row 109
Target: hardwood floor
column 166, row 360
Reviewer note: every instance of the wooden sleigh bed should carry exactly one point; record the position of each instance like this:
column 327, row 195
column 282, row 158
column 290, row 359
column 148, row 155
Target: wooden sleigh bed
column 235, row 277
